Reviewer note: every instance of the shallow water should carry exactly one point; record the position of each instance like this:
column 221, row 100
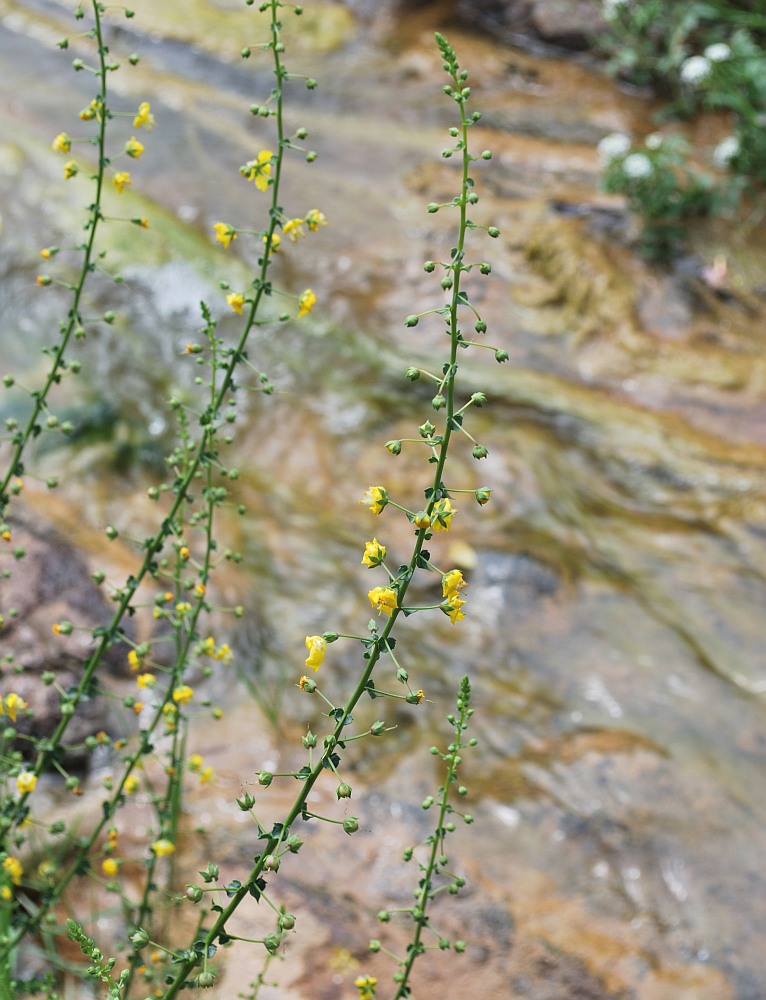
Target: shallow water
column 616, row 632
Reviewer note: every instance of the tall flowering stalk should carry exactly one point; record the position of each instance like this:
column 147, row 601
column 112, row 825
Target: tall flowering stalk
column 390, row 603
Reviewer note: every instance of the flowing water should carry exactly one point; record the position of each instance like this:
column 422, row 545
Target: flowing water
column 616, row 628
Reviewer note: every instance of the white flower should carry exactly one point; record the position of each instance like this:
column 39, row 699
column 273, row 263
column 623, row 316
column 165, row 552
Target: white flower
column 609, row 8
column 653, row 141
column 694, row 70
column 725, row 151
column 613, row 146
column 637, row 165
column 719, row 52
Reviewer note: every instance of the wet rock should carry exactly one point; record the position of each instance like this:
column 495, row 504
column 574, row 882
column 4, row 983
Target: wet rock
column 568, row 23
column 49, row 585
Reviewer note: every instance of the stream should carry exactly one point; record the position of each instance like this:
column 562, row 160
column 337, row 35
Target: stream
column 616, row 628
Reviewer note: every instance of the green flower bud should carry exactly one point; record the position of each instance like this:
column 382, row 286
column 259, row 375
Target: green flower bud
column 343, row 791
column 485, row 268
column 378, row 728
column 438, row 402
column 140, row 939
column 271, row 863
column 271, row 943
column 480, row 326
column 494, row 232
column 383, row 916
column 478, row 398
column 309, row 741
column 429, row 266
column 433, row 207
column 411, row 321
column 194, row 893
column 205, row 980
column 479, row 451
column 501, row 356
column 246, row 803
column 394, row 447
column 413, row 374
column 265, row 778
column 375, row 945
column 286, row 922
column 351, row 825
column 427, row 802
column 486, row 154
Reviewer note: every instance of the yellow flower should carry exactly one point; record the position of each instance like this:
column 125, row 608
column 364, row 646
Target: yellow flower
column 70, row 170
column 138, row 707
column 383, row 599
column 376, row 497
column 194, row 762
column 25, row 782
column 121, row 180
column 146, row 680
column 236, row 301
column 224, row 653
column 315, row 219
column 306, row 301
column 144, row 118
column 14, row 868
column 110, row 867
column 208, row 646
column 89, row 113
column 132, row 784
column 141, row 221
column 420, row 695
column 294, row 229
column 276, row 241
column 374, row 553
column 452, row 582
column 62, row 143
column 259, row 169
column 442, row 515
column 366, row 986
column 225, row 233
column 316, row 646
column 6, row 893
column 162, row 847
column 134, row 148
column 451, row 608
column 206, row 775
column 134, row 661
column 12, row 703
column 183, row 694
